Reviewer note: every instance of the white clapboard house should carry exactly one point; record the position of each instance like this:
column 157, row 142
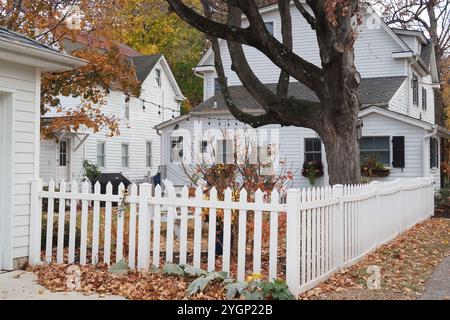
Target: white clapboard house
column 398, row 71
column 135, row 152
column 22, row 61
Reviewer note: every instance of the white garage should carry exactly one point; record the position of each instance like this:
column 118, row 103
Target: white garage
column 22, row 61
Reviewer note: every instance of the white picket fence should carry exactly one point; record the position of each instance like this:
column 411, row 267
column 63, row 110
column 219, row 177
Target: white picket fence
column 327, row 228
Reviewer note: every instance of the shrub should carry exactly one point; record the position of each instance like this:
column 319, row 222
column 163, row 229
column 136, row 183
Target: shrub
column 91, row 171
column 442, row 198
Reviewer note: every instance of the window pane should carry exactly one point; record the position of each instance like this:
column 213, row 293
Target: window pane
column 378, row 156
column 317, row 145
column 101, row 148
column 308, row 145
column 382, row 143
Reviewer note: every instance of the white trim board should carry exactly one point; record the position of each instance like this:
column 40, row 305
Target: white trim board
column 397, row 116
column 7, row 108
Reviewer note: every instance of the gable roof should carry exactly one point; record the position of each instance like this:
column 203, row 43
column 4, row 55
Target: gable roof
column 84, row 39
column 144, row 65
column 374, row 91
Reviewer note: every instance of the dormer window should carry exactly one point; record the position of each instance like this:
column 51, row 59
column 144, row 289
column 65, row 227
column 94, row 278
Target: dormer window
column 269, row 27
column 158, row 77
column 415, row 87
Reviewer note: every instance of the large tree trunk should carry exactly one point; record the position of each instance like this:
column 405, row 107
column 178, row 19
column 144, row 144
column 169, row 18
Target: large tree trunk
column 339, row 127
column 342, row 151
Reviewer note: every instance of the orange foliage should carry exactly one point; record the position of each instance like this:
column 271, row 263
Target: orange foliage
column 107, row 67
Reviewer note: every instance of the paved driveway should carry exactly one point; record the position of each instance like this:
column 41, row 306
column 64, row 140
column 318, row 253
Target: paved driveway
column 21, row 285
column 438, row 286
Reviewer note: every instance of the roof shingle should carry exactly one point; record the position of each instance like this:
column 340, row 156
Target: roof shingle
column 374, row 91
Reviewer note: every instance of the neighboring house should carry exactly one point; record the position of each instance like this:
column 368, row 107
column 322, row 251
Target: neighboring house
column 398, row 72
column 21, row 62
column 136, row 151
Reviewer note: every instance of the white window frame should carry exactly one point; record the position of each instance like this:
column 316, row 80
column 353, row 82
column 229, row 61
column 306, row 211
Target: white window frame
column 104, row 154
column 204, row 148
column 179, row 147
column 66, row 153
column 304, row 148
column 390, row 137
column 127, row 156
column 223, row 153
column 126, row 109
column 149, row 164
column 158, row 77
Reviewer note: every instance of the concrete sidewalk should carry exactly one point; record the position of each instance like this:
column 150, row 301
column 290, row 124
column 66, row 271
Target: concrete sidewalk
column 438, row 286
column 21, row 285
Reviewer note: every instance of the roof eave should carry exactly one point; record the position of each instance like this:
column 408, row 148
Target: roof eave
column 44, row 59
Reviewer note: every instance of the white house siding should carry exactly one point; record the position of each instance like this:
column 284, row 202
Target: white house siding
column 134, row 132
column 411, row 41
column 402, row 101
column 24, row 81
column 378, row 125
column 373, row 52
column 291, row 146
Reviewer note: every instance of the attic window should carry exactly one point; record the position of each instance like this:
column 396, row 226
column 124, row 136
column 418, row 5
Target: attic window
column 158, row 77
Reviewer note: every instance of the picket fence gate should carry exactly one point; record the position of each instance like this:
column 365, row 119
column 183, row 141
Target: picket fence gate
column 327, row 228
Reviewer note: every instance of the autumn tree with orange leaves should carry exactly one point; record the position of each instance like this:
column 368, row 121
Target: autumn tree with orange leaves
column 49, row 21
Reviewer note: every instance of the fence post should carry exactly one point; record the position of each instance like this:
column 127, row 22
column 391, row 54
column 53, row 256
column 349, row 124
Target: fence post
column 144, row 227
column 35, row 222
column 431, row 195
column 293, row 241
column 338, row 224
column 379, row 236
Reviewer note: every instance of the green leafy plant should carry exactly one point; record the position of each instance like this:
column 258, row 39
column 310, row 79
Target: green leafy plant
column 199, row 284
column 183, row 270
column 259, row 290
column 91, row 171
column 312, row 170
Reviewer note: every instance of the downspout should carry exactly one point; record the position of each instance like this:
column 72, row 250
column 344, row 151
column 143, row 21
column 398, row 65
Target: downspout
column 425, row 145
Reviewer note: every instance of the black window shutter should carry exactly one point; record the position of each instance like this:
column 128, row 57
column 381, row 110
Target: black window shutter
column 433, row 153
column 398, row 144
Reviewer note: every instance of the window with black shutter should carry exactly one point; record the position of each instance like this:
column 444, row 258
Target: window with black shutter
column 415, row 87
column 424, row 99
column 398, row 154
column 434, row 153
column 375, row 148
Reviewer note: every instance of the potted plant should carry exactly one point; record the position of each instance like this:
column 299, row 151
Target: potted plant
column 312, row 170
column 372, row 168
